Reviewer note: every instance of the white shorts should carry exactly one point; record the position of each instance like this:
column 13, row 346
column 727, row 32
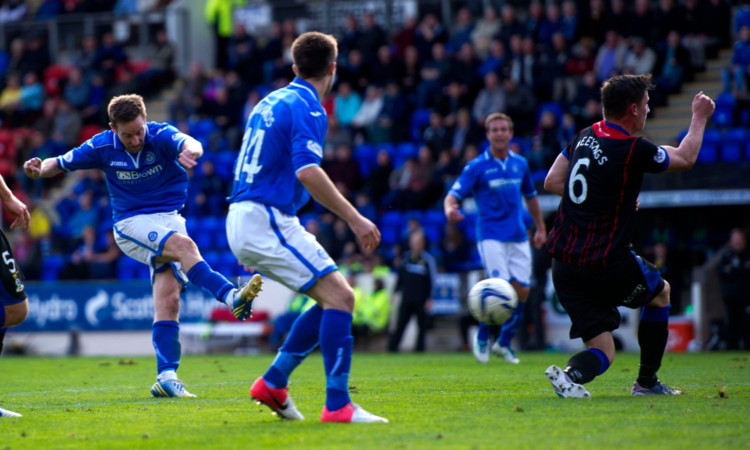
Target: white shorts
column 507, row 260
column 275, row 244
column 142, row 237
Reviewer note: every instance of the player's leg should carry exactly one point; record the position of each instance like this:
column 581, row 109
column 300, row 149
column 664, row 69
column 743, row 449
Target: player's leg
column 492, row 254
column 179, row 247
column 11, row 315
column 402, row 320
column 336, row 343
column 166, row 336
column 518, row 266
column 653, row 333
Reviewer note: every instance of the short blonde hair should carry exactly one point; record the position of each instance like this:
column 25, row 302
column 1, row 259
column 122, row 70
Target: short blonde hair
column 498, row 116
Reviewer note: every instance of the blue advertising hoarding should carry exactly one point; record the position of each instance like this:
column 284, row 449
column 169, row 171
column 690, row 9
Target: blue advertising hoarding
column 100, row 306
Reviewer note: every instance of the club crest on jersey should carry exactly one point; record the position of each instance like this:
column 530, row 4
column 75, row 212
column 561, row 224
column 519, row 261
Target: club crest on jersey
column 660, row 155
column 315, row 148
column 152, row 236
column 68, row 157
column 150, row 158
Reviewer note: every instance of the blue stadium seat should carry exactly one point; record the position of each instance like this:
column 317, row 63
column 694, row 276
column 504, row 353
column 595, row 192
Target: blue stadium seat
column 209, row 231
column 224, row 163
column 733, row 144
column 468, row 227
column 51, row 266
column 419, row 120
column 710, row 149
column 366, row 157
column 390, row 226
column 130, row 269
column 723, row 117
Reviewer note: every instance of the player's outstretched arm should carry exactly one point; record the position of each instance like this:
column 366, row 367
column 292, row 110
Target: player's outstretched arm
column 554, row 182
column 540, row 235
column 36, row 168
column 13, row 205
column 322, row 189
column 684, row 156
column 451, row 209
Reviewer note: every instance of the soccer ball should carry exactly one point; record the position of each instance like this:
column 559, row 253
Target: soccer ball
column 492, row 301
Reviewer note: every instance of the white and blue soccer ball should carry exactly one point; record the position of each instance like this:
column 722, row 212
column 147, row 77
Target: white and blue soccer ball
column 492, row 301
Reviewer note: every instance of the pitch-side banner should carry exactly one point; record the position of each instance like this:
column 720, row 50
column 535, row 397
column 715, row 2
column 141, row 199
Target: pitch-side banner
column 104, row 306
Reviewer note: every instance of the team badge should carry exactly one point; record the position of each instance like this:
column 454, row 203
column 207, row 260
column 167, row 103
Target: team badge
column 152, row 236
column 150, row 158
column 660, row 155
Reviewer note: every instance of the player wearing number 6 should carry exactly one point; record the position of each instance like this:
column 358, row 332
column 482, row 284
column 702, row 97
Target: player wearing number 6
column 277, row 170
column 499, row 179
column 599, row 177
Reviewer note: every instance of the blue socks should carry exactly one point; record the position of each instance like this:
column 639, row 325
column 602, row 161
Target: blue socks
column 483, row 333
column 212, row 282
column 510, row 327
column 165, row 336
column 336, row 344
column 302, row 339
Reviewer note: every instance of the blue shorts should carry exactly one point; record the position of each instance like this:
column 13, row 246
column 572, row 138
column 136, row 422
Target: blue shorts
column 11, row 288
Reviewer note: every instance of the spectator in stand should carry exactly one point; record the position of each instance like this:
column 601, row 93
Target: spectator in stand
column 486, row 28
column 243, row 54
column 365, row 119
column 429, row 32
column 76, row 90
column 433, row 74
column 67, row 124
column 619, row 18
column 160, row 56
column 545, row 142
column 520, row 65
column 219, row 15
column 610, row 58
column 491, row 98
column 717, row 18
column 674, row 68
column 210, row 198
column 385, row 69
column 85, row 56
column 463, row 69
column 551, row 82
column 404, row 38
column 581, row 58
column 347, row 103
column 344, row 171
column 372, row 312
column 109, row 56
column 19, row 61
column 570, row 19
column 349, row 37
column 464, row 133
column 640, row 60
column 667, row 17
column 454, row 99
column 592, row 23
column 38, row 55
column 510, row 25
column 336, row 135
column 10, row 100
column 694, row 33
column 354, row 71
column 461, row 33
column 495, row 60
column 435, row 136
column 735, row 76
column 371, row 37
column 392, row 124
column 225, row 111
column 32, row 95
column 377, row 184
column 534, row 19
column 551, row 24
column 520, row 102
column 734, row 272
column 643, row 24
column 412, row 77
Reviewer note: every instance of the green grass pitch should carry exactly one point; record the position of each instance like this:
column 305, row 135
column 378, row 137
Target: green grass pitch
column 433, row 401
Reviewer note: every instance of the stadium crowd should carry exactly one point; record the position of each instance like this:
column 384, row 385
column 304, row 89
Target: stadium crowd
column 405, row 114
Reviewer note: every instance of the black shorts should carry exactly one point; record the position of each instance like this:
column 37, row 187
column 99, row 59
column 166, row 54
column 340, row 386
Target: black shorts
column 591, row 296
column 11, row 288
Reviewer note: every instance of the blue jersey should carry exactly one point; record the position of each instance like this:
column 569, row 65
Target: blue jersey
column 497, row 187
column 284, row 134
column 150, row 181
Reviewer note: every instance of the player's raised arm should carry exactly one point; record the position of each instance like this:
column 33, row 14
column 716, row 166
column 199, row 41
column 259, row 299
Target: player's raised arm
column 322, row 189
column 36, row 168
column 684, row 156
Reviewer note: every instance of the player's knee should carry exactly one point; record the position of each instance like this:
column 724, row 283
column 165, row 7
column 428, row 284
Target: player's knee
column 662, row 299
column 167, row 307
column 16, row 314
column 343, row 299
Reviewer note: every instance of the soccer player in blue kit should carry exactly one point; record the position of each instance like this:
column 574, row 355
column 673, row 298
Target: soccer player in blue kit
column 277, row 170
column 594, row 270
column 498, row 179
column 14, row 306
column 144, row 164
